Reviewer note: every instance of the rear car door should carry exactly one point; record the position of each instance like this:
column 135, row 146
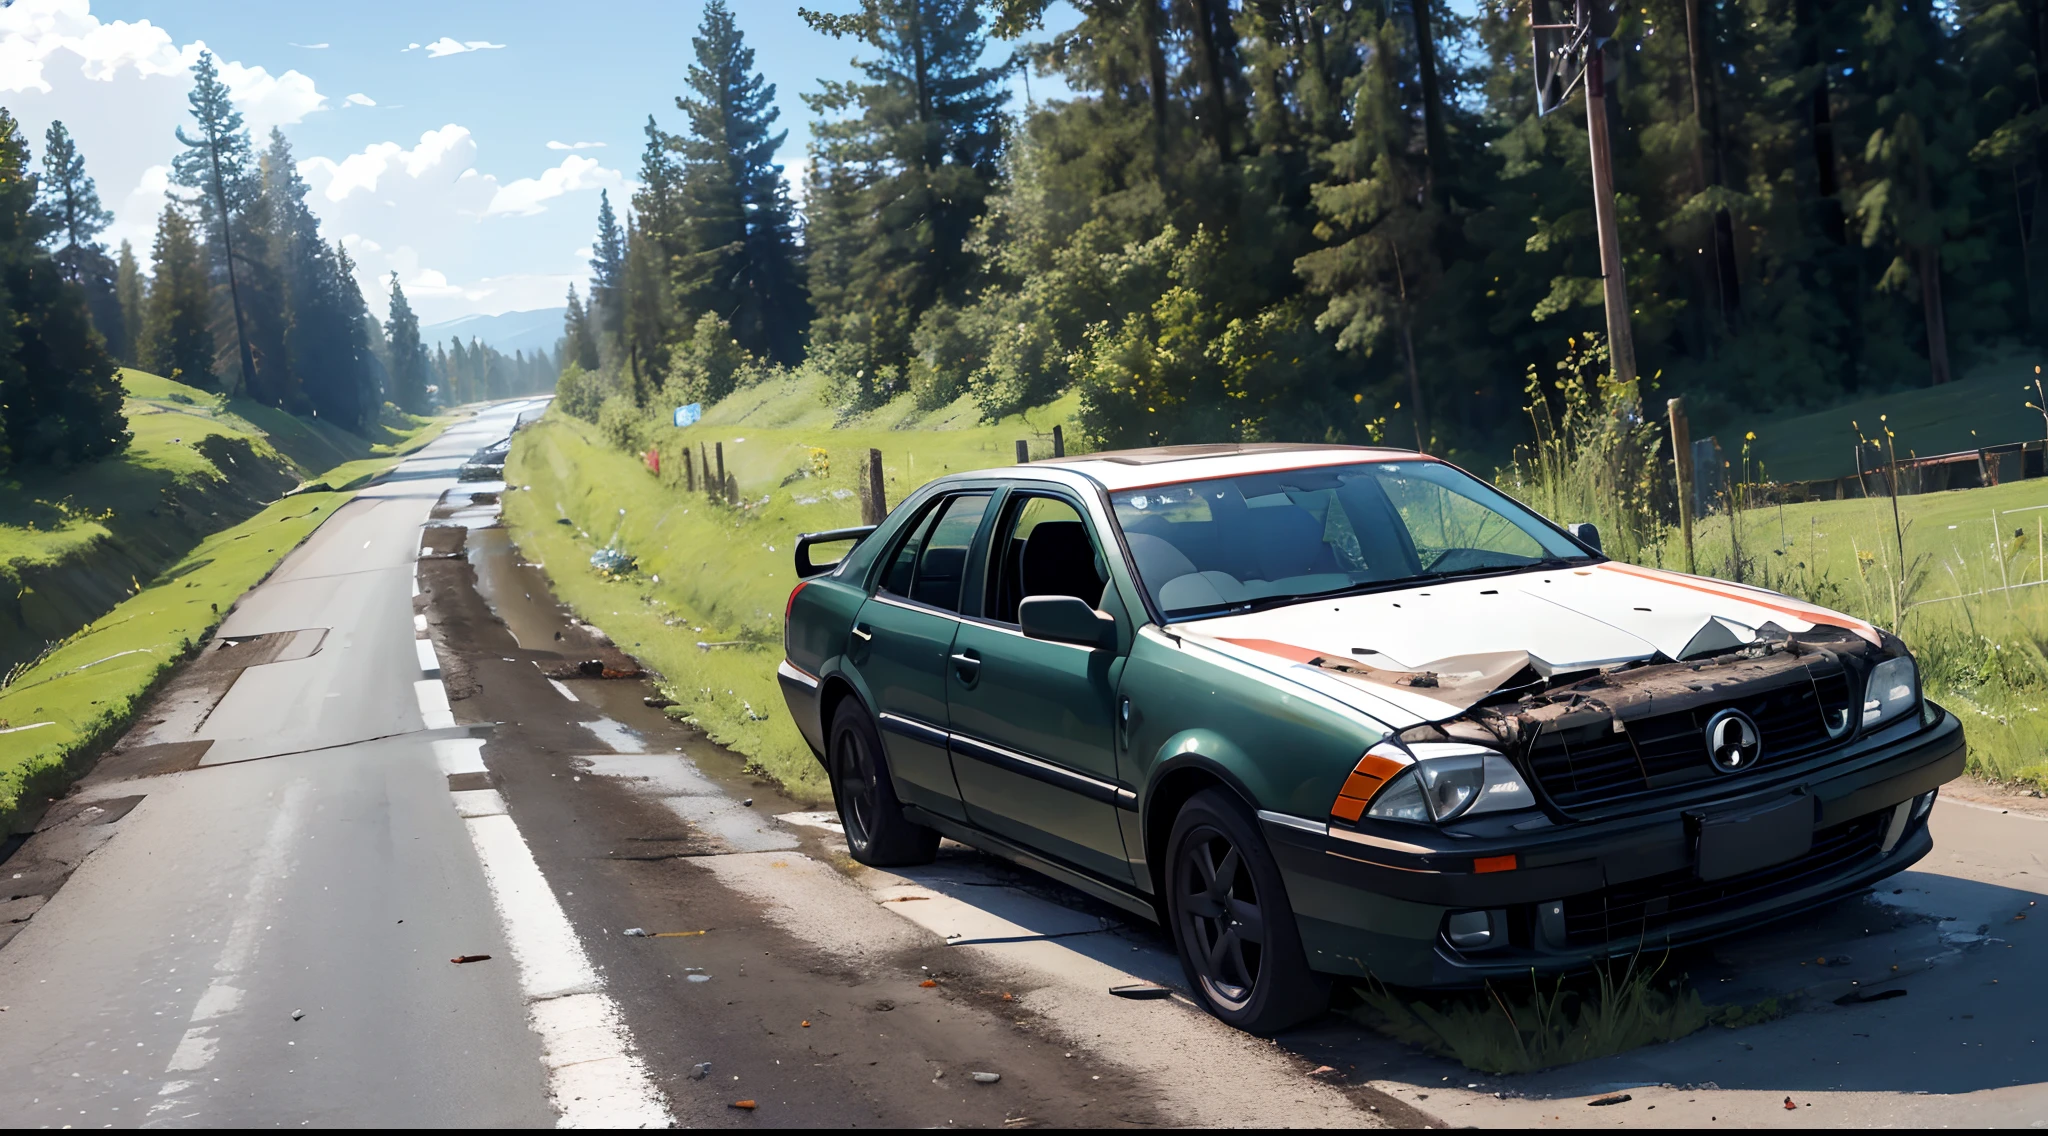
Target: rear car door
column 900, row 642
column 1033, row 722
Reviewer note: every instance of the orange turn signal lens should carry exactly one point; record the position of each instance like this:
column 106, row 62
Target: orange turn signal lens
column 1373, row 771
column 1505, row 863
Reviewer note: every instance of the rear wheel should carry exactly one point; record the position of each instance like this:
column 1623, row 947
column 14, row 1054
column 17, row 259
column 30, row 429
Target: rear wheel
column 1231, row 921
column 877, row 832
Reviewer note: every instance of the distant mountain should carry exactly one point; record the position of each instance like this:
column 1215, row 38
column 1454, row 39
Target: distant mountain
column 507, row 331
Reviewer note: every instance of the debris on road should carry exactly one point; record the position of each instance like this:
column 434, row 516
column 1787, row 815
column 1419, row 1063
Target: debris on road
column 700, row 1070
column 745, row 1104
column 1789, row 1106
column 807, row 1023
column 297, row 1014
column 906, row 899
column 470, row 958
column 657, row 701
column 987, row 1078
column 634, row 932
column 698, row 977
column 1858, row 997
column 1140, row 991
column 929, row 983
column 1618, row 1098
column 1324, row 1071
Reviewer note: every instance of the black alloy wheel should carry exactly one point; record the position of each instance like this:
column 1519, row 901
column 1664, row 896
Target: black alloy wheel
column 877, row 832
column 1231, row 920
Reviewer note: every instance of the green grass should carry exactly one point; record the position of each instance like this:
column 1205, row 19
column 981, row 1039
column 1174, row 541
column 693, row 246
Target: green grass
column 711, row 573
column 1988, row 409
column 88, row 688
column 75, row 541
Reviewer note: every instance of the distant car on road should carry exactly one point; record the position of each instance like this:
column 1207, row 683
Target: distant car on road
column 1337, row 711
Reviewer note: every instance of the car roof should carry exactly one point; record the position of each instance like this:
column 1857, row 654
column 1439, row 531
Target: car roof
column 1118, row 470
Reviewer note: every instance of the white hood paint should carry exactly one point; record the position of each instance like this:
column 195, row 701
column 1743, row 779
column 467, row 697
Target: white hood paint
column 1564, row 619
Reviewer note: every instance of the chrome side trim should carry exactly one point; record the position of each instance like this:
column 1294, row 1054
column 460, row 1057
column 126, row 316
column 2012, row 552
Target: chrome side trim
column 1288, row 820
column 789, row 671
column 906, row 605
column 1108, row 792
column 1346, row 834
column 914, row 729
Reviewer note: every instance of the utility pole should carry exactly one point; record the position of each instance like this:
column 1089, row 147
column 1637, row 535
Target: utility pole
column 1621, row 343
column 1566, row 51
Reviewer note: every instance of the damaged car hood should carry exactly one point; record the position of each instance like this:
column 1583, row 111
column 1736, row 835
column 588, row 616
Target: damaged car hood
column 1436, row 649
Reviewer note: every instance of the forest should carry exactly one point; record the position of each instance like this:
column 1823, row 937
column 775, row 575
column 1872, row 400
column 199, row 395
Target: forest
column 1333, row 219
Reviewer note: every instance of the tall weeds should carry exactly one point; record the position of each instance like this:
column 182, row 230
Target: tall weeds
column 1595, row 457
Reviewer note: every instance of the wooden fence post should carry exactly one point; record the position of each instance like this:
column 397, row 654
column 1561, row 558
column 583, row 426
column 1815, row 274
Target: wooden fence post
column 718, row 448
column 1023, row 451
column 874, row 497
column 1681, row 460
column 689, row 471
column 1059, row 442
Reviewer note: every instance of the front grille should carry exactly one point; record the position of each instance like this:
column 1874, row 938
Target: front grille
column 1642, row 908
column 1592, row 766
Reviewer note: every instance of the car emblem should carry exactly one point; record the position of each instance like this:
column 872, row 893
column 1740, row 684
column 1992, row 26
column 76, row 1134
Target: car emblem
column 1733, row 743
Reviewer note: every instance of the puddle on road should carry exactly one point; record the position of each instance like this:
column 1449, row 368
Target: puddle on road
column 620, row 737
column 681, row 787
column 515, row 590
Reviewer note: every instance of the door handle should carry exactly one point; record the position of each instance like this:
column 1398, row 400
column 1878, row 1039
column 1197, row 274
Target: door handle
column 1123, row 723
column 864, row 634
column 967, row 665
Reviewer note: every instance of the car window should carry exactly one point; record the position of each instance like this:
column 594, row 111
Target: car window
column 1205, row 547
column 1042, row 548
column 930, row 565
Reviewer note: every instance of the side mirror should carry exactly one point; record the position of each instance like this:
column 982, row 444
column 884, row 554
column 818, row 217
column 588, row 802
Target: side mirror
column 1586, row 533
column 1065, row 619
column 805, row 569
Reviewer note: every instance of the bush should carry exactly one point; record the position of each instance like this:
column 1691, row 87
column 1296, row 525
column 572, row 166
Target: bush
column 620, row 421
column 581, row 393
column 707, row 366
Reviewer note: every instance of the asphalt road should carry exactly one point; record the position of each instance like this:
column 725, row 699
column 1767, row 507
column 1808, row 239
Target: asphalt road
column 246, row 915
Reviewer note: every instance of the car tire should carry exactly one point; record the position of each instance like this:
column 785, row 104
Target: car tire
column 877, row 832
column 1231, row 920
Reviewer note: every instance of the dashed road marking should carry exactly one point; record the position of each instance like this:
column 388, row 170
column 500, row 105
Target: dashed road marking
column 433, row 700
column 564, row 691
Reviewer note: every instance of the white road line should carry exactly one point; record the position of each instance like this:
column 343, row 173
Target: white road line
column 433, row 700
column 594, row 1079
column 222, row 997
column 478, row 803
column 419, row 625
column 459, row 755
column 430, row 663
column 564, row 691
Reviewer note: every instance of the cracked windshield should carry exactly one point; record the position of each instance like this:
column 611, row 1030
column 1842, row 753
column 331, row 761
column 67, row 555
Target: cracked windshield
column 1023, row 563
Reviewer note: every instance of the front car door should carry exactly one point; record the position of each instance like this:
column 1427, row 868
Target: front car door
column 1033, row 722
column 900, row 642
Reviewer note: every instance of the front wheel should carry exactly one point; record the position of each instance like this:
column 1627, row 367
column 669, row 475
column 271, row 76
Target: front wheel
column 1231, row 921
column 877, row 832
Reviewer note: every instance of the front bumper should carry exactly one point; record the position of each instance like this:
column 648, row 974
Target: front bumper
column 1375, row 902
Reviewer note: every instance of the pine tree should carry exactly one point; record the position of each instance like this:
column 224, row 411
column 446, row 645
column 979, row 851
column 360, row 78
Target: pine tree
column 69, row 207
column 579, row 338
column 408, row 355
column 904, row 178
column 130, row 294
column 177, row 342
column 60, row 392
column 650, row 313
column 740, row 220
column 216, row 164
column 608, row 281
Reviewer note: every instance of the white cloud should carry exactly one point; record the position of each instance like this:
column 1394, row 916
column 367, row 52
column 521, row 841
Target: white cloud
column 460, row 240
column 311, row 46
column 575, row 145
column 360, row 99
column 524, row 197
column 448, row 46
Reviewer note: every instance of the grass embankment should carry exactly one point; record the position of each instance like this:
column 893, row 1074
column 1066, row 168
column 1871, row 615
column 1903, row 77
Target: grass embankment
column 711, row 573
column 1987, row 409
column 165, row 511
column 74, row 542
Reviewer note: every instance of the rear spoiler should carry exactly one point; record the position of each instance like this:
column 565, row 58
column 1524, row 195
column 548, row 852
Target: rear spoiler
column 804, row 568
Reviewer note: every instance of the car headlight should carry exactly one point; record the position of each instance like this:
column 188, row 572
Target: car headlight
column 1443, row 781
column 1893, row 690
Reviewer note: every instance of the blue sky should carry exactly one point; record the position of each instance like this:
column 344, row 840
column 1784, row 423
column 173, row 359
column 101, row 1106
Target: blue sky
column 469, row 164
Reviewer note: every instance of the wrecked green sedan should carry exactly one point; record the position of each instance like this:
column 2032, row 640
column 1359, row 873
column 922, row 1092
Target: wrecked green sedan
column 1334, row 711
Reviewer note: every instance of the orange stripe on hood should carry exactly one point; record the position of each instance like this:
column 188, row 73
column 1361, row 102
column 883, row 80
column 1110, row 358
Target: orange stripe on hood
column 1805, row 611
column 1285, row 650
